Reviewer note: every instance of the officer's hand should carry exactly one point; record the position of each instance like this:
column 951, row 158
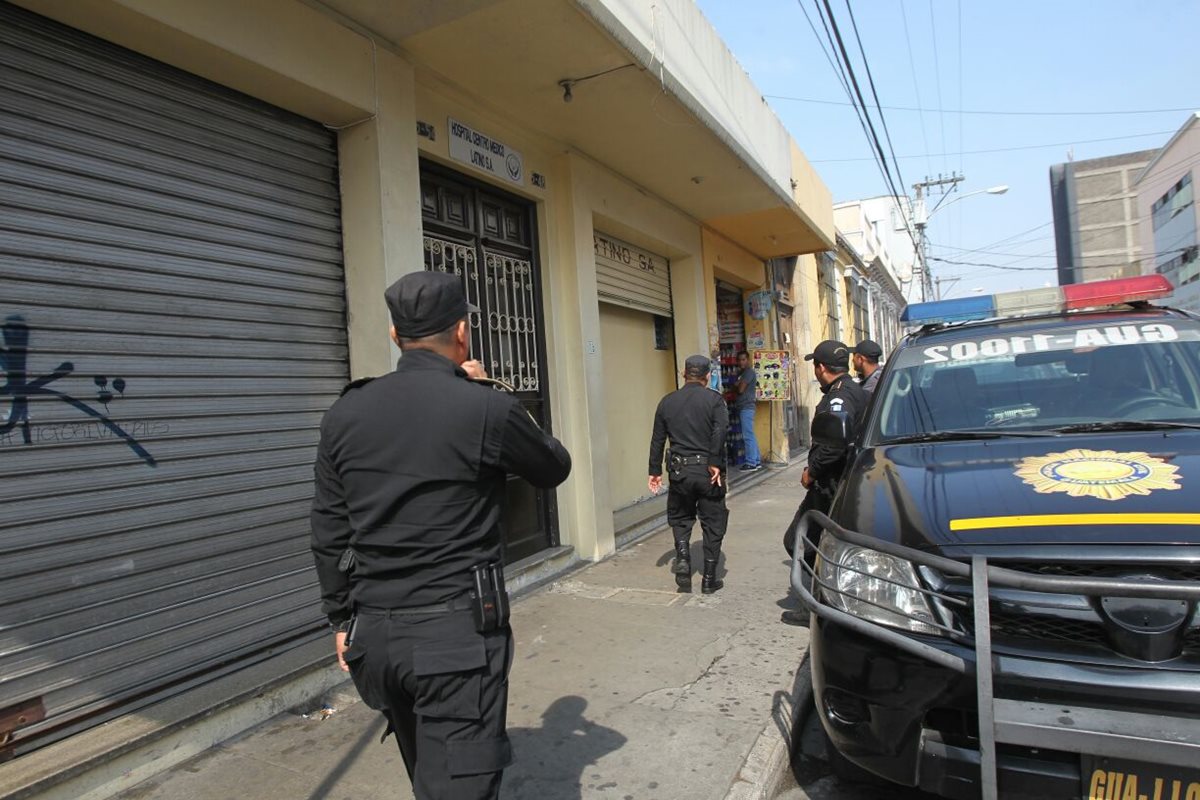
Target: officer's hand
column 339, row 644
column 655, row 484
column 805, row 479
column 474, row 369
column 714, row 476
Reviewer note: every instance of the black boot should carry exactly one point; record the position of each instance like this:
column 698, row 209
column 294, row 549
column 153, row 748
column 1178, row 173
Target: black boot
column 682, row 568
column 710, row 584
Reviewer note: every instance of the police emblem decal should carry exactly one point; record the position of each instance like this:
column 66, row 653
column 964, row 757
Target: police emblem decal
column 1104, row 474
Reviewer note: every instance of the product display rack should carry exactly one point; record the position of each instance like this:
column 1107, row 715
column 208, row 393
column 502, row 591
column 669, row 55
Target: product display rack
column 731, row 328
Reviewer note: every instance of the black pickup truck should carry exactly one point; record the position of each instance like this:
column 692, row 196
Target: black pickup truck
column 1004, row 602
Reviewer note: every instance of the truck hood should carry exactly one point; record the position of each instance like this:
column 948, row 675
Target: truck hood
column 959, row 497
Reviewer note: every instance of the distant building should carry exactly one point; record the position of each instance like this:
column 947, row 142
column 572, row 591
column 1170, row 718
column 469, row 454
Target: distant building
column 1096, row 218
column 1167, row 206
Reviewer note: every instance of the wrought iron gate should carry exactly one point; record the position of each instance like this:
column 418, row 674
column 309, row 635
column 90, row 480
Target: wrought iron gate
column 486, row 237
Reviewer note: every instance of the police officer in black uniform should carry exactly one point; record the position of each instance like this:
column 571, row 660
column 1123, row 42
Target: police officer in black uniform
column 407, row 537
column 695, row 419
column 831, row 364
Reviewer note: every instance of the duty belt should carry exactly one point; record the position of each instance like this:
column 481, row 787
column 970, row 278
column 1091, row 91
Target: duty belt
column 460, row 602
column 685, row 460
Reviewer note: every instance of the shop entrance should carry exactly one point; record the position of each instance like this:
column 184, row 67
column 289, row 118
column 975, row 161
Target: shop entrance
column 486, row 237
column 731, row 326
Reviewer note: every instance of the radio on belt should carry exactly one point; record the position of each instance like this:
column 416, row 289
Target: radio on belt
column 489, row 601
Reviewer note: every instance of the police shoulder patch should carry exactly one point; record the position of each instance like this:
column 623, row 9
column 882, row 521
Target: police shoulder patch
column 354, row 384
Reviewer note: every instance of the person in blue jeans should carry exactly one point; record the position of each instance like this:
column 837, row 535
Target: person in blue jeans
column 743, row 406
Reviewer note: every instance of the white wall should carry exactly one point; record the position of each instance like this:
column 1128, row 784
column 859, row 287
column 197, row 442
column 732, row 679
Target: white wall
column 698, row 67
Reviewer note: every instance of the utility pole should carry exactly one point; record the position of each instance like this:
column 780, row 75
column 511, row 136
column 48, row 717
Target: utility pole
column 949, row 285
column 921, row 219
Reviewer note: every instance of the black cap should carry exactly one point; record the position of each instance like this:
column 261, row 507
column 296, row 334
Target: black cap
column 425, row 303
column 831, row 353
column 698, row 366
column 868, row 348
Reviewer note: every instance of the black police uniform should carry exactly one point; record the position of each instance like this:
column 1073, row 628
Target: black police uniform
column 696, row 420
column 825, row 464
column 410, row 479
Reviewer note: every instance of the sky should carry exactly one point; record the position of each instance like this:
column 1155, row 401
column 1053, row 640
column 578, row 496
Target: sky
column 944, row 56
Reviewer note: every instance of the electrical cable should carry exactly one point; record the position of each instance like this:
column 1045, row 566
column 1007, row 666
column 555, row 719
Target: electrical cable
column 1190, row 110
column 912, row 67
column 1001, row 149
column 937, row 74
column 874, row 94
column 830, row 22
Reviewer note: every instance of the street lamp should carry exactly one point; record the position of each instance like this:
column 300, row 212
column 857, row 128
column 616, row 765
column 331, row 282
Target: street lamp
column 921, row 220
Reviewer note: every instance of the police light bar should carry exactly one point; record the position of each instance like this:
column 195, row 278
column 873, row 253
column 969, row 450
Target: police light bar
column 1030, row 302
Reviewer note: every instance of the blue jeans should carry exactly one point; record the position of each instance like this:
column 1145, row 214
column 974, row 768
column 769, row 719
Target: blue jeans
column 746, row 418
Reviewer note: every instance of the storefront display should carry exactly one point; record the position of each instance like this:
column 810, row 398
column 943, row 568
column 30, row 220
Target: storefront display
column 773, row 368
column 732, row 332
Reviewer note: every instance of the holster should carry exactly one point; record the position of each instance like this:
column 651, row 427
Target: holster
column 489, row 599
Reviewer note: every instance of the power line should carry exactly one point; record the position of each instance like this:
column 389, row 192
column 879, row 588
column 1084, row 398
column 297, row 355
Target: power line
column 1074, row 213
column 1002, row 149
column 937, row 75
column 994, row 113
column 1137, row 260
column 840, row 72
column 912, row 66
column 874, row 94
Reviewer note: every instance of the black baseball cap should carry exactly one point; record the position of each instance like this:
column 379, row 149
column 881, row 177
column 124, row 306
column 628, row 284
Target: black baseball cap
column 697, row 365
column 831, row 353
column 868, row 348
column 424, row 303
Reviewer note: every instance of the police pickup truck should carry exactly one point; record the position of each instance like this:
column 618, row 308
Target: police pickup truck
column 1004, row 599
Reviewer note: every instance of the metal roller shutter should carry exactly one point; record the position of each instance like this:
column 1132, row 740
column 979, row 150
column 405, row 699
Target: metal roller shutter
column 627, row 275
column 173, row 311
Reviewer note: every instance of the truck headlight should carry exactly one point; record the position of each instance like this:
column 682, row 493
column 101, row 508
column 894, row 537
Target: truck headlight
column 873, row 586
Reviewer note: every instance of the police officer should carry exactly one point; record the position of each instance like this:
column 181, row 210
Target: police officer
column 696, row 421
column 407, row 537
column 831, row 362
column 865, row 357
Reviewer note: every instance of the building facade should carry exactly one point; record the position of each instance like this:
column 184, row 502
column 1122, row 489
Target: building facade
column 204, row 203
column 1097, row 228
column 849, row 293
column 1166, row 203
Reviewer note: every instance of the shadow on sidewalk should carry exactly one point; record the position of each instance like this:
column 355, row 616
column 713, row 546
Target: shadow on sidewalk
column 550, row 760
column 370, row 735
column 697, row 559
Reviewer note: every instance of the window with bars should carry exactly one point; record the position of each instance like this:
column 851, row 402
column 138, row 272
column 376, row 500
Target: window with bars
column 828, row 298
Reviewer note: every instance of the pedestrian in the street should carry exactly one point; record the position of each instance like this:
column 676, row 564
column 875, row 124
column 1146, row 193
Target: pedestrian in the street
column 831, row 362
column 865, row 358
column 696, row 422
column 406, row 533
column 743, row 406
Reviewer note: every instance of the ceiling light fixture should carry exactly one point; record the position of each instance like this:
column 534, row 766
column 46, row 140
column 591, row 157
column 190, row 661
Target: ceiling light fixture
column 566, row 84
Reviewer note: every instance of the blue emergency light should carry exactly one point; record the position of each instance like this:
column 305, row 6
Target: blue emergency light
column 1030, row 302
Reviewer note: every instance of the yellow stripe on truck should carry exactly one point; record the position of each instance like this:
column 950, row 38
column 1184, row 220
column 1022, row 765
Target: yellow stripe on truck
column 1052, row 520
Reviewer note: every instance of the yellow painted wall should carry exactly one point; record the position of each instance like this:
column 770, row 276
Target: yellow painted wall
column 730, row 263
column 636, row 376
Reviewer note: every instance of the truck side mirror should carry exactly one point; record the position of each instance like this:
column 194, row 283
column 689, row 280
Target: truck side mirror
column 832, row 429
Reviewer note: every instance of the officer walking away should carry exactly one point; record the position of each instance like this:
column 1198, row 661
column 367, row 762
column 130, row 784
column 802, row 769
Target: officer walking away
column 865, row 358
column 408, row 541
column 696, row 422
column 825, row 464
column 743, row 406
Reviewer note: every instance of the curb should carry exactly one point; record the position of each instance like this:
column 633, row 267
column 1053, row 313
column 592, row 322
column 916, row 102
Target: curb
column 762, row 773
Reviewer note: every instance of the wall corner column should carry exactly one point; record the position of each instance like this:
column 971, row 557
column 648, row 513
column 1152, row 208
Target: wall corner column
column 381, row 211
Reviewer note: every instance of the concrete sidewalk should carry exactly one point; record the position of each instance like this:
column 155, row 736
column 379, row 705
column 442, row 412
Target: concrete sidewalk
column 621, row 689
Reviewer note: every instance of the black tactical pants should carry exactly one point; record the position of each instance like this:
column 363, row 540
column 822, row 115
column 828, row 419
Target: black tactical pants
column 691, row 495
column 818, row 498
column 444, row 690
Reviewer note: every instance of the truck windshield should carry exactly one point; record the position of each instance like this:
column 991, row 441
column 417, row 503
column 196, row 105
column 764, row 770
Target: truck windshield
column 1142, row 371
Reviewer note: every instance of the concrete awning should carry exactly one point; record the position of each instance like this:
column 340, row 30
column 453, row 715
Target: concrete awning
column 641, row 120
